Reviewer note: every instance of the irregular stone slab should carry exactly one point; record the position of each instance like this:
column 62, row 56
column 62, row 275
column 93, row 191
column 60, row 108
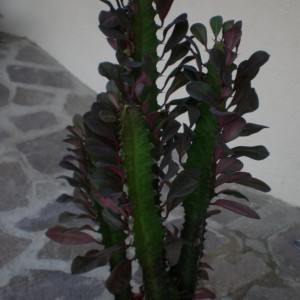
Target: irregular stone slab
column 44, row 153
column 256, row 245
column 47, row 217
column 268, row 224
column 10, row 247
column 234, row 271
column 33, row 121
column 54, row 250
column 52, row 285
column 33, row 54
column 267, row 293
column 286, row 256
column 13, row 186
column 4, row 95
column 31, row 97
column 78, row 104
column 29, row 75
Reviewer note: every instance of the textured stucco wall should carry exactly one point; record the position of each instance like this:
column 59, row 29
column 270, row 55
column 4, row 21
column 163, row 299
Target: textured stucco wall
column 68, row 30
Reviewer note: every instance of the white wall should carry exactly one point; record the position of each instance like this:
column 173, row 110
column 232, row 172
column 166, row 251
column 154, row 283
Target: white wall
column 68, row 30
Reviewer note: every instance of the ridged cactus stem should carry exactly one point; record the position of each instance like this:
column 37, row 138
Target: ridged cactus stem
column 200, row 156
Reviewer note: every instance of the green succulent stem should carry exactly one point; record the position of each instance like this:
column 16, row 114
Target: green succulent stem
column 148, row 232
column 200, row 156
column 145, row 44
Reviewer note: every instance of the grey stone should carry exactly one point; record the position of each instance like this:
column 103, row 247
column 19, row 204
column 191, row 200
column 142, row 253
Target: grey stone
column 54, row 250
column 47, row 217
column 42, row 77
column 78, row 103
column 275, row 293
column 31, row 97
column 235, row 271
column 2, row 56
column 256, row 245
column 4, row 95
column 31, row 53
column 52, row 285
column 13, row 186
column 10, row 247
column 44, row 153
column 33, row 121
column 286, row 256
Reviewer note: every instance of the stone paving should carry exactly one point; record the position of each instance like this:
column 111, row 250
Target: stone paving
column 253, row 260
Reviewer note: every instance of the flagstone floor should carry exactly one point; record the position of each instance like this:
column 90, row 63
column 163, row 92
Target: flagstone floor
column 252, row 260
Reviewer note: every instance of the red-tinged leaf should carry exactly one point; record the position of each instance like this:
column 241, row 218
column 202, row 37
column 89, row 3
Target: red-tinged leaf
column 179, row 32
column 256, row 184
column 173, row 251
column 216, row 25
column 113, row 220
column 251, row 128
column 120, row 277
column 163, row 8
column 228, row 165
column 255, row 152
column 204, row 293
column 230, row 57
column 72, row 182
column 93, row 259
column 201, row 91
column 200, row 33
column 108, row 203
column 113, row 33
column 232, row 177
column 68, row 216
column 203, row 275
column 232, row 36
column 225, row 117
column 204, row 265
column 69, row 236
column 233, row 129
column 238, row 208
column 69, row 166
column 173, row 168
column 233, row 193
column 116, row 169
column 213, row 212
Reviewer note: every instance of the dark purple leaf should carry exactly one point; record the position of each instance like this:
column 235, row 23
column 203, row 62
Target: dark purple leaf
column 120, row 277
column 178, row 52
column 163, row 8
column 232, row 177
column 251, row 128
column 173, row 251
column 216, row 24
column 127, row 61
column 230, row 57
column 72, row 181
column 113, row 33
column 233, row 129
column 181, row 18
column 113, row 220
column 232, row 36
column 93, row 259
column 107, row 116
column 228, row 165
column 69, row 166
column 204, row 293
column 64, row 198
column 255, row 152
column 69, row 236
column 179, row 32
column 248, row 69
column 201, row 91
column 179, row 81
column 255, row 184
column 224, row 117
column 108, row 19
column 233, row 193
column 217, row 58
column 173, row 168
column 246, row 101
column 183, row 185
column 203, row 275
column 200, row 33
column 238, row 208
column 109, row 70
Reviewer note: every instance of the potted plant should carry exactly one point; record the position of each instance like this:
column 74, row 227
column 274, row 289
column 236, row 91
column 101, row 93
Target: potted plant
column 133, row 162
